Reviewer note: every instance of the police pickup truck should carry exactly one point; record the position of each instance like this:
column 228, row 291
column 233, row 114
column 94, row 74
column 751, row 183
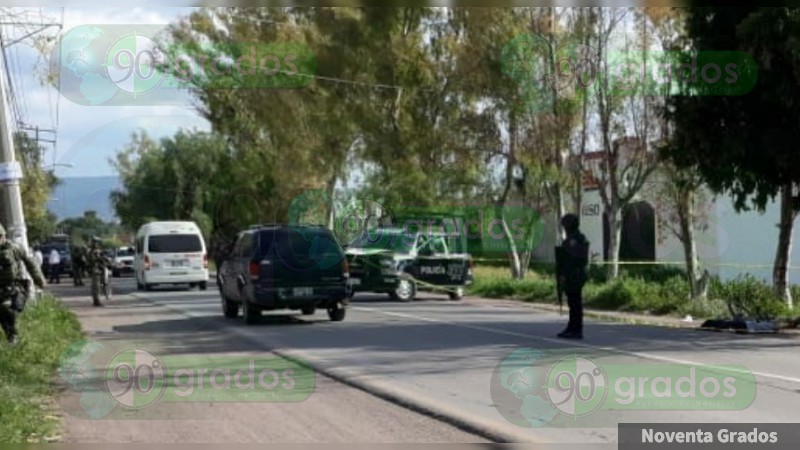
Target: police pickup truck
column 401, row 262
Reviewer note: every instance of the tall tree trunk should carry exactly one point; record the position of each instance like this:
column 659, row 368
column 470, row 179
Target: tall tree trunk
column 517, row 271
column 697, row 282
column 780, row 269
column 329, row 205
column 517, row 268
column 559, row 210
column 614, row 239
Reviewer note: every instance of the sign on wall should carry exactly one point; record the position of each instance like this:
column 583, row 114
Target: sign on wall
column 591, row 210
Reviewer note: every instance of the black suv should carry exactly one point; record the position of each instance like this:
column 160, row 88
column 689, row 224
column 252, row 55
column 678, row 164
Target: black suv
column 294, row 267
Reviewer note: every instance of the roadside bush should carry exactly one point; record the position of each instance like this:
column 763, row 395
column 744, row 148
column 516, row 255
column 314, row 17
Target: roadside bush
column 751, row 297
column 669, row 294
column 46, row 329
column 655, row 273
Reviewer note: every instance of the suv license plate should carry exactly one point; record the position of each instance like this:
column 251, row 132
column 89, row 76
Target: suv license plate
column 303, row 292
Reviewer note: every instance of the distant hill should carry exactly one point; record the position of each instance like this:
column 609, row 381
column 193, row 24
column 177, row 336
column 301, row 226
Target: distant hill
column 78, row 194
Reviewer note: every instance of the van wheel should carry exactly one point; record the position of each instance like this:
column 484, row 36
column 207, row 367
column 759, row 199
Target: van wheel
column 336, row 313
column 250, row 313
column 229, row 308
column 203, row 285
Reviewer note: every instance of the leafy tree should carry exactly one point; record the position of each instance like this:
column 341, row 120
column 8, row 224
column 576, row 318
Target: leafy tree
column 81, row 229
column 743, row 145
column 184, row 177
column 36, row 186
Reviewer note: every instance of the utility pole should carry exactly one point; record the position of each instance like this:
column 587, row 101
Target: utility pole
column 10, row 174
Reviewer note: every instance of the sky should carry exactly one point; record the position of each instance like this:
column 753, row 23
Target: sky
column 87, row 136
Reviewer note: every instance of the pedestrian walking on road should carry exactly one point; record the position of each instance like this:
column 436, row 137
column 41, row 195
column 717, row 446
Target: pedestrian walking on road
column 573, row 274
column 13, row 285
column 54, row 267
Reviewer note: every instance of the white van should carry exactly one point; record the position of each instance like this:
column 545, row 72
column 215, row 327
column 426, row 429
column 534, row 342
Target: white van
column 170, row 253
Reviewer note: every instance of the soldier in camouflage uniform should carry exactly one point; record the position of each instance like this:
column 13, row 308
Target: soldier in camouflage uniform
column 13, row 285
column 79, row 264
column 96, row 262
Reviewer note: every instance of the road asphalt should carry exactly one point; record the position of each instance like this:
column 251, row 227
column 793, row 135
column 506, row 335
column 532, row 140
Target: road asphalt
column 428, row 371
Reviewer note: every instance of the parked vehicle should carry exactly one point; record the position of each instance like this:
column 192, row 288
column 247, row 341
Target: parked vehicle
column 400, row 263
column 284, row 267
column 122, row 260
column 170, row 253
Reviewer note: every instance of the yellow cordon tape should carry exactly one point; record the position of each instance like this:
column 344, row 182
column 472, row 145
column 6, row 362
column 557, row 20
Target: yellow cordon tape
column 601, row 263
column 656, row 263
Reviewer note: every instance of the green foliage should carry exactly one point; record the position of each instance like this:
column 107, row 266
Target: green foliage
column 638, row 295
column 650, row 291
column 743, row 160
column 184, row 177
column 81, row 229
column 46, row 329
column 751, row 297
column 36, row 186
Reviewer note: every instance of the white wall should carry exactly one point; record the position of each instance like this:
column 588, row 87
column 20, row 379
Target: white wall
column 751, row 239
column 734, row 243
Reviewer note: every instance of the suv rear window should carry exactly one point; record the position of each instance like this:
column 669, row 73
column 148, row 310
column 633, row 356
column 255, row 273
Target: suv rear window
column 298, row 242
column 175, row 243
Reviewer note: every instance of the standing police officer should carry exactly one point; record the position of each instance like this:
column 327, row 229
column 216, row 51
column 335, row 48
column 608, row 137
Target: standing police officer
column 13, row 285
column 572, row 275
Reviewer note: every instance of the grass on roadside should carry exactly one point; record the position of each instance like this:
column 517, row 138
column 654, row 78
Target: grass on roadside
column 665, row 296
column 46, row 329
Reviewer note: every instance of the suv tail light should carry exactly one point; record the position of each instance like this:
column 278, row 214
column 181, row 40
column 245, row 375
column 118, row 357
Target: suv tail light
column 146, row 262
column 205, row 260
column 254, row 269
column 345, row 267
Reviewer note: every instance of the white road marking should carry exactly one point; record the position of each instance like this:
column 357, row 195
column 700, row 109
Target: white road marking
column 575, row 343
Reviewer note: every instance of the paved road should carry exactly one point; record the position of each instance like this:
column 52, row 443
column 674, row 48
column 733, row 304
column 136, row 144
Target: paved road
column 439, row 356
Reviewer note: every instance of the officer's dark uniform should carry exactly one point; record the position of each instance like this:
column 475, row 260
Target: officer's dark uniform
column 12, row 290
column 574, row 274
